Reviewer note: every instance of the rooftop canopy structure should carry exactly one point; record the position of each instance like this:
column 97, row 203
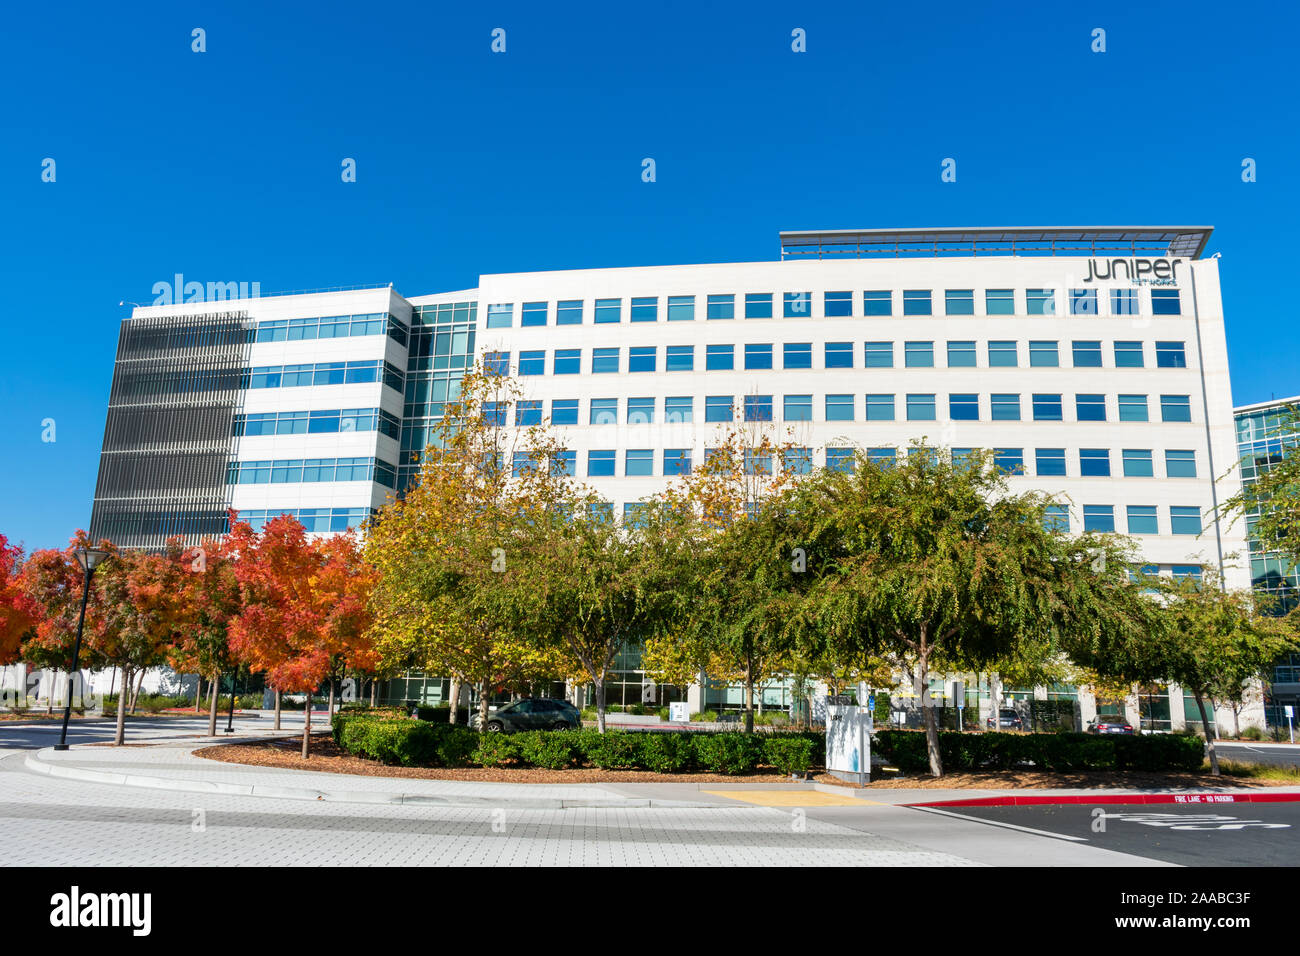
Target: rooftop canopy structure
column 1147, row 241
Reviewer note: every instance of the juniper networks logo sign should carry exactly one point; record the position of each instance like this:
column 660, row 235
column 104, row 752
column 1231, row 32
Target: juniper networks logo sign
column 77, row 909
column 1138, row 271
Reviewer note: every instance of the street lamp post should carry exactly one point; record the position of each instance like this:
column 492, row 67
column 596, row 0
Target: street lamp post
column 88, row 558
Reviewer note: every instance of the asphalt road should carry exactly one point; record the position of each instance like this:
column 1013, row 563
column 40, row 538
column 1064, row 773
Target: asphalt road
column 1238, row 834
column 1277, row 754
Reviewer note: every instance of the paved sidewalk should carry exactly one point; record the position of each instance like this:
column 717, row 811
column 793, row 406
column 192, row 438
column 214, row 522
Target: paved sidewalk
column 170, row 764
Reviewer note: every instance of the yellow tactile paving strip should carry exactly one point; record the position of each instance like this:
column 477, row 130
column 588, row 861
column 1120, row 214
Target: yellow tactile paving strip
column 790, row 798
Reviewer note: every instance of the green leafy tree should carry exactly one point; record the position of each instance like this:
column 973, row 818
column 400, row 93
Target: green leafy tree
column 927, row 560
column 1270, row 502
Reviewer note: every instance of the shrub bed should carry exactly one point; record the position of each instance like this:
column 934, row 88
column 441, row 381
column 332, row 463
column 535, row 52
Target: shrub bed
column 409, row 742
column 1064, row 752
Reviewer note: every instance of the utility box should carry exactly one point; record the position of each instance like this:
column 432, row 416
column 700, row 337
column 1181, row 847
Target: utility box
column 848, row 742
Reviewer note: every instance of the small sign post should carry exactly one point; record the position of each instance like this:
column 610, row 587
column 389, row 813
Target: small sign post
column 1290, row 711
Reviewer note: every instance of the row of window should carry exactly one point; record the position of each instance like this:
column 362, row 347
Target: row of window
column 318, row 421
column 758, row 356
column 332, row 327
column 792, row 305
column 313, row 519
column 290, row 471
column 324, row 373
column 1048, row 462
column 877, row 407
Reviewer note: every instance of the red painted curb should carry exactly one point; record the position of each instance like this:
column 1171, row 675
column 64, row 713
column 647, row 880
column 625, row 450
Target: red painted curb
column 1114, row 798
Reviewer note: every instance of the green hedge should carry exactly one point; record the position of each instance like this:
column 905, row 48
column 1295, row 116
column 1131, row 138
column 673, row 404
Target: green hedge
column 401, row 740
column 906, row 749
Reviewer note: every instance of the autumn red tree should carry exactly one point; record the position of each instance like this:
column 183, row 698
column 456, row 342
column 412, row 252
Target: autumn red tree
column 208, row 598
column 17, row 613
column 51, row 583
column 280, row 628
column 342, row 587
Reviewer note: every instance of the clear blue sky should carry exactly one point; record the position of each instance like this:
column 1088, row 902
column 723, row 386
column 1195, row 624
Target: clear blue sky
column 224, row 165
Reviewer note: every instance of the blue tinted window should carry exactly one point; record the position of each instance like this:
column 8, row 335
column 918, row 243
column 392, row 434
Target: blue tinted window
column 604, row 360
column 564, row 462
column 999, row 301
column 1040, row 302
column 640, row 411
column 1083, row 301
column 644, row 309
column 679, row 408
column 916, row 301
column 1002, row 354
column 528, row 413
column 880, row 408
column 839, row 355
column 1056, row 518
column 798, row 305
column 495, row 363
column 1005, row 406
column 840, row 459
column 961, row 354
column 680, row 358
column 797, row 461
column 798, row 355
column 1180, row 463
column 1165, row 302
column 1123, row 302
column 838, row 304
column 532, row 363
column 1090, row 407
column 568, row 312
column 567, row 362
column 677, row 461
column 1133, row 408
column 1184, row 520
column 722, row 307
column 681, row 308
column 1137, row 463
column 798, row 408
column 1009, row 460
column 533, row 314
column 600, row 464
column 964, row 407
column 839, row 408
column 918, row 354
column 758, row 356
column 758, row 408
column 639, row 462
column 1142, row 519
column 878, row 354
column 758, row 305
column 564, row 411
column 1098, row 518
column 959, row 301
column 500, row 315
column 719, row 357
column 641, row 358
column 1175, row 408
column 878, row 302
column 1094, row 462
column 604, row 411
column 1171, row 355
column 608, row 311
column 717, row 408
column 1043, row 355
column 1047, row 407
column 920, row 407
column 1049, row 462
column 1128, row 354
column 1087, row 354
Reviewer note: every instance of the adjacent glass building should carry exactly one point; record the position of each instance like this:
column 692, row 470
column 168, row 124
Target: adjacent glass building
column 1092, row 360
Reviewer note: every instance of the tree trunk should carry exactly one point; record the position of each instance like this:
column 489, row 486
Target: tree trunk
column 373, row 682
column 112, row 679
column 600, row 703
column 135, row 697
column 306, row 728
column 1236, row 722
column 1209, row 737
column 277, row 710
column 749, row 701
column 931, row 726
column 329, row 704
column 119, row 734
column 455, row 700
column 198, row 691
column 482, row 705
column 212, row 706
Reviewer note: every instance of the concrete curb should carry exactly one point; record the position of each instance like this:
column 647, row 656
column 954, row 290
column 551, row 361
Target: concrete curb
column 1038, row 800
column 34, row 763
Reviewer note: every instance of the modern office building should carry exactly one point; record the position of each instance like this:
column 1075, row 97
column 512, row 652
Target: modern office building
column 1265, row 434
column 1092, row 359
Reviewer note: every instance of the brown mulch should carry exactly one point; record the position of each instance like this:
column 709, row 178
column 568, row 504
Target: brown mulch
column 328, row 757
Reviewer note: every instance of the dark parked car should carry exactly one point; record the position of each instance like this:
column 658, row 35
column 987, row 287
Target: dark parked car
column 1008, row 719
column 532, row 713
column 1111, row 725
